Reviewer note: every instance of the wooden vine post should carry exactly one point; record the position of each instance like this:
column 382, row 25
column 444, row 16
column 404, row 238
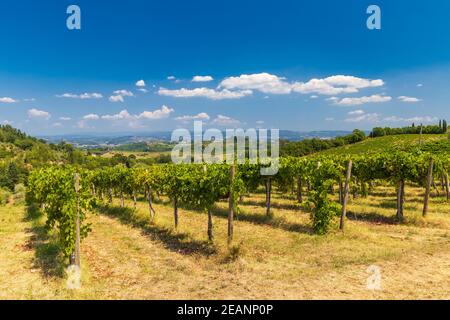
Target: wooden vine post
column 231, row 205
column 122, row 200
column 175, row 211
column 210, row 225
column 428, row 188
column 400, row 199
column 299, row 189
column 209, row 211
column 150, row 205
column 447, row 186
column 75, row 257
column 345, row 195
column 268, row 194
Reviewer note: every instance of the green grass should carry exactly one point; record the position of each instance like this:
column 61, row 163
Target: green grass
column 386, row 143
column 127, row 256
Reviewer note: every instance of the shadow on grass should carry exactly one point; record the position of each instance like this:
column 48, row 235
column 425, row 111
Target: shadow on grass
column 269, row 220
column 372, row 217
column 172, row 240
column 275, row 205
column 48, row 256
column 385, row 204
column 382, row 193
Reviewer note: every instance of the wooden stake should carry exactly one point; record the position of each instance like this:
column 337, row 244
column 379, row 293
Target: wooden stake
column 231, row 207
column 447, row 186
column 345, row 196
column 428, row 187
column 210, row 225
column 400, row 199
column 122, row 200
column 268, row 194
column 110, row 196
column 175, row 211
column 150, row 205
column 299, row 189
column 76, row 255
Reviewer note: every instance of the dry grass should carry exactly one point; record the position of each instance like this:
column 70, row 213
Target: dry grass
column 128, row 257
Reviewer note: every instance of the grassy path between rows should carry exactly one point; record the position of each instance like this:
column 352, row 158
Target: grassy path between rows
column 127, row 257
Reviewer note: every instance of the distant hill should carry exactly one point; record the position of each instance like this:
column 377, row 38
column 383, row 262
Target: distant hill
column 114, row 139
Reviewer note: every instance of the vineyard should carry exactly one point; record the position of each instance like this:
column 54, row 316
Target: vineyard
column 66, row 201
column 219, row 212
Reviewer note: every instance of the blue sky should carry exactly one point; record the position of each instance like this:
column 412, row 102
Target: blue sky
column 299, row 65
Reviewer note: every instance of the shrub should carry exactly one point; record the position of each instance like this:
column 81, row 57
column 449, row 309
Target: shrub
column 5, row 194
column 19, row 194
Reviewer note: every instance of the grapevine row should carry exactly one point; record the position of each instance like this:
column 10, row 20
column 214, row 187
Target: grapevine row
column 201, row 186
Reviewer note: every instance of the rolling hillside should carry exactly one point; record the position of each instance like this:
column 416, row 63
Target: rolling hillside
column 405, row 141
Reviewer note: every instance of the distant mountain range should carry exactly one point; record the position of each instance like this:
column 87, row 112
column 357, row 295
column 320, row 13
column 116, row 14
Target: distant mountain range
column 118, row 139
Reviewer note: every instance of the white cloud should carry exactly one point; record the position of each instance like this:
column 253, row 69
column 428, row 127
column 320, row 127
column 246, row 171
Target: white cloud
column 140, row 83
column 224, row 121
column 364, row 117
column 65, row 118
column 171, row 78
column 117, row 98
column 82, row 96
column 408, row 99
column 143, row 90
column 329, row 119
column 420, row 85
column 124, row 114
column 202, row 78
column 423, row 119
column 164, row 112
column 363, row 100
column 268, row 83
column 205, row 93
column 200, row 116
column 245, row 84
column 124, row 93
column 7, row 122
column 119, row 94
column 29, row 99
column 161, row 113
column 57, row 125
column 356, row 113
column 263, row 82
column 335, row 85
column 35, row 113
column 91, row 116
column 8, row 100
